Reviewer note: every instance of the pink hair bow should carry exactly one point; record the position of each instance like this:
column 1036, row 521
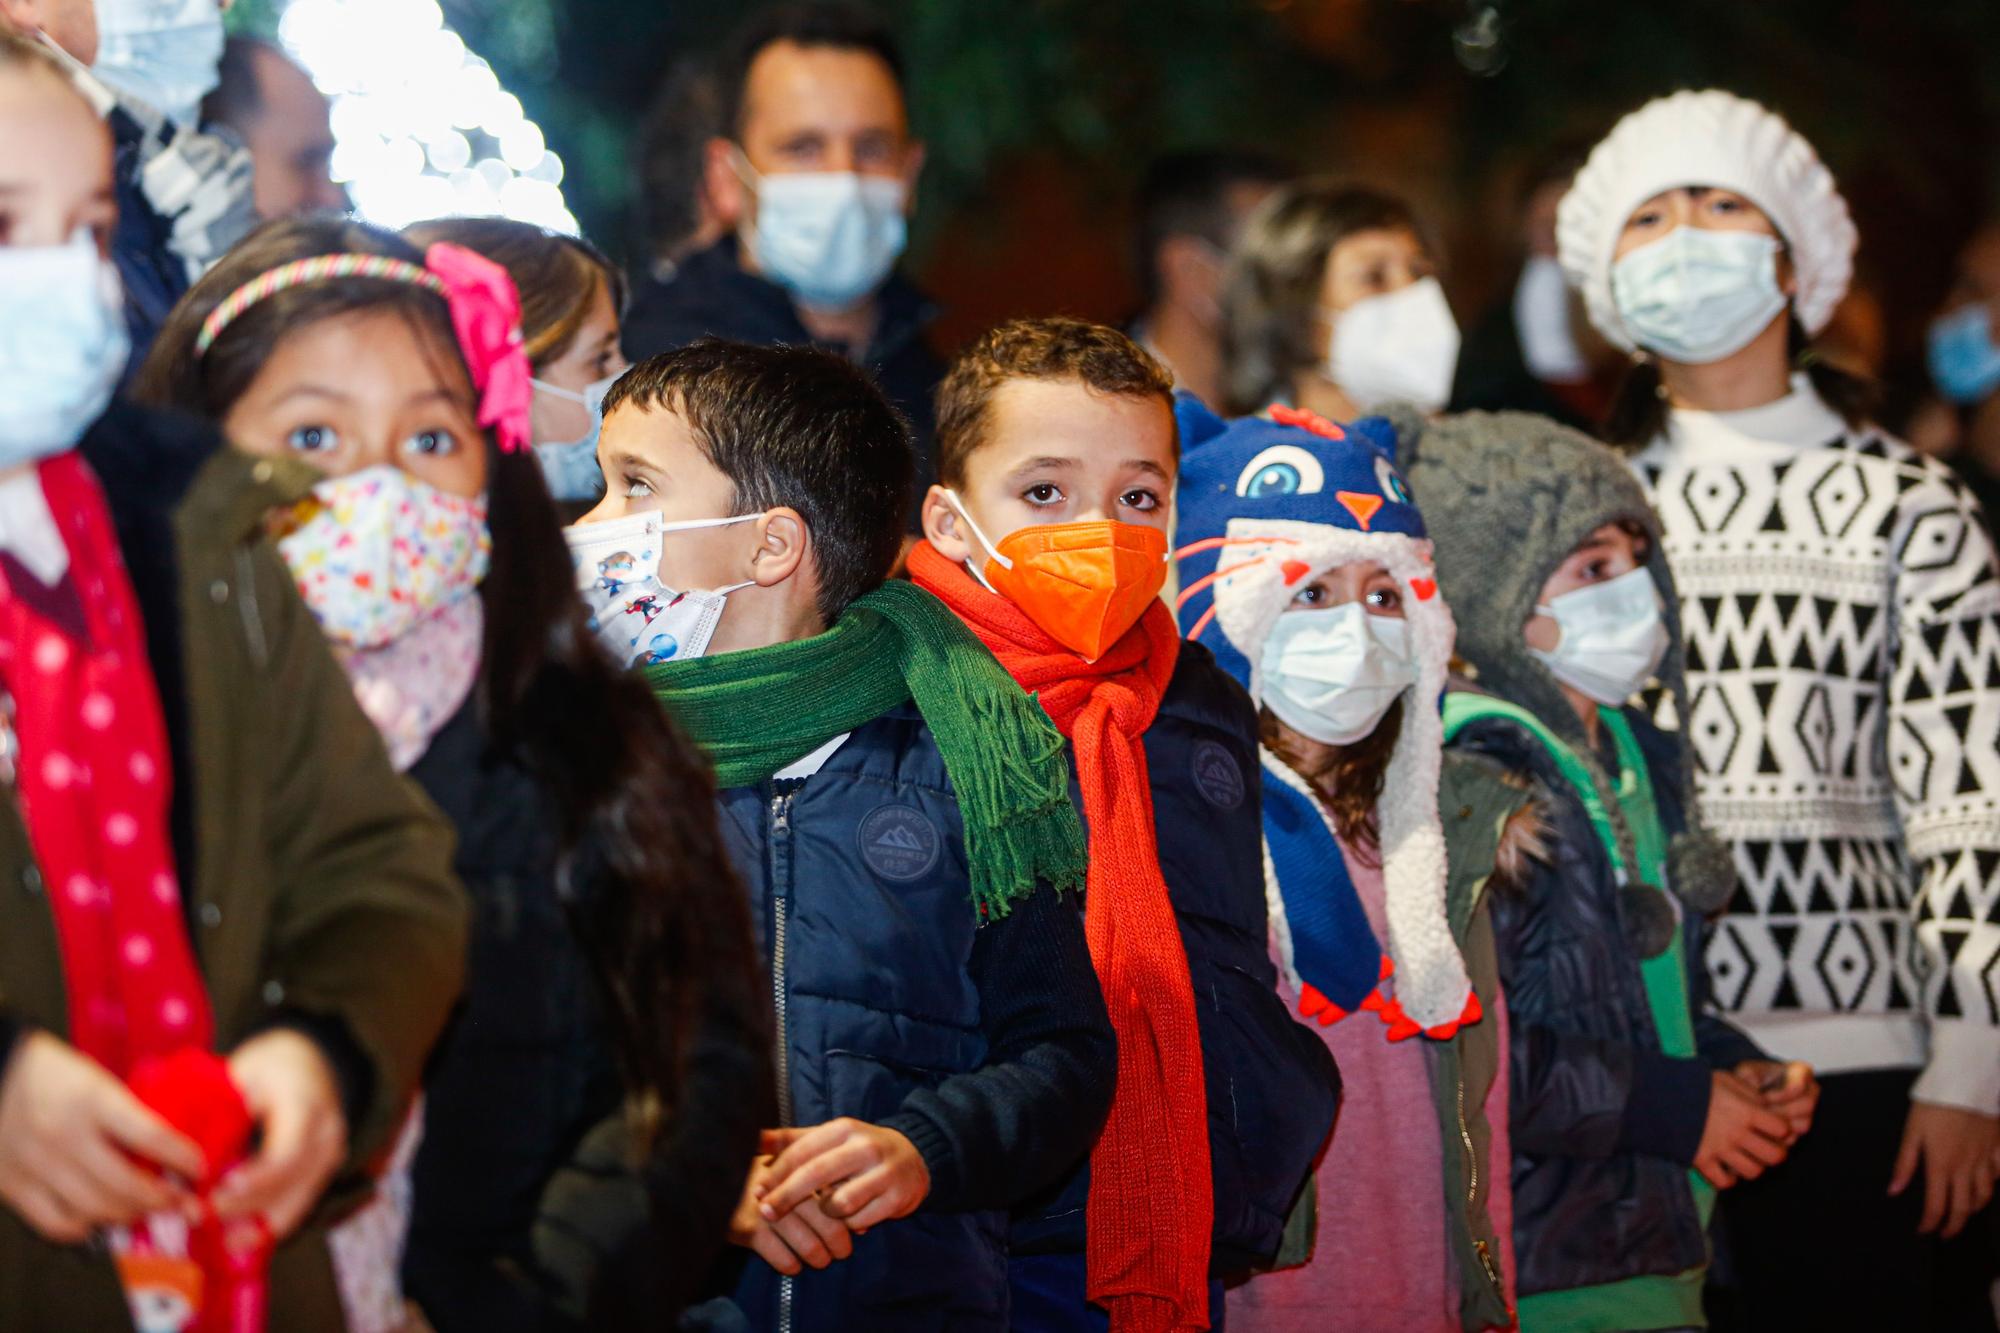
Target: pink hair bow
column 486, row 315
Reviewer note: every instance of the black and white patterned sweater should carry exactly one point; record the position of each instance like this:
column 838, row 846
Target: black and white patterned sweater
column 1842, row 616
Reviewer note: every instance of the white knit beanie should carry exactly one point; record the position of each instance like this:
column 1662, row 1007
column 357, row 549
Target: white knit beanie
column 1716, row 139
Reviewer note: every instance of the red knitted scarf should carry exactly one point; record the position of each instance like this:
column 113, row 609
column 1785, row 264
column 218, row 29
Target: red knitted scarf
column 1151, row 1194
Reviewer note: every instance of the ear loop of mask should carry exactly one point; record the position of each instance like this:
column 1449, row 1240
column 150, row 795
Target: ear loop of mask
column 991, row 550
column 691, row 524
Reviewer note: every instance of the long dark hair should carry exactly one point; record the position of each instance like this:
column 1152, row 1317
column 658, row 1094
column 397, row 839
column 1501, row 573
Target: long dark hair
column 1348, row 779
column 1638, row 412
column 666, row 920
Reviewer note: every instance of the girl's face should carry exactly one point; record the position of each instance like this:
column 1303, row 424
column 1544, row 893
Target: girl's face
column 55, row 163
column 1370, row 263
column 358, row 390
column 1607, row 553
column 1691, row 206
column 1364, row 581
column 591, row 356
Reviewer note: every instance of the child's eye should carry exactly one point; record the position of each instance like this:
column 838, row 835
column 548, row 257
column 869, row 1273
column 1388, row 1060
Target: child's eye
column 1140, row 499
column 1310, row 595
column 1043, row 493
column 313, row 439
column 635, row 489
column 1385, row 599
column 436, row 442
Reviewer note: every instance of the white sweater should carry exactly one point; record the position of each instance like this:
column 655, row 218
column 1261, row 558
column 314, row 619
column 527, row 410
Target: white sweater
column 1842, row 616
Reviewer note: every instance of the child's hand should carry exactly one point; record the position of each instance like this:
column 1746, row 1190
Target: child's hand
column 806, row 1237
column 861, row 1173
column 1787, row 1088
column 1741, row 1137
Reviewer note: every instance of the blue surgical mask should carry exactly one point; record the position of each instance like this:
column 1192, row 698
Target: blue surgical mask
column 1964, row 362
column 165, row 53
column 827, row 237
column 1696, row 296
column 62, row 346
column 570, row 466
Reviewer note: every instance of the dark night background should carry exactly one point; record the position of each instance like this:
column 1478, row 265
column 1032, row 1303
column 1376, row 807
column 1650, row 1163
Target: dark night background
column 1040, row 113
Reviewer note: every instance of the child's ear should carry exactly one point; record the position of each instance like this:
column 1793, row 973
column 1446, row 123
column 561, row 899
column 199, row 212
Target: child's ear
column 783, row 545
column 944, row 529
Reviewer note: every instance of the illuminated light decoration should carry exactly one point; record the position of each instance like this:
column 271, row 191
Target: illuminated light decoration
column 421, row 126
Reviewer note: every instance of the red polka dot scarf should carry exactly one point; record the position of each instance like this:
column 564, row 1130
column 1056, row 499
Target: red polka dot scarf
column 93, row 780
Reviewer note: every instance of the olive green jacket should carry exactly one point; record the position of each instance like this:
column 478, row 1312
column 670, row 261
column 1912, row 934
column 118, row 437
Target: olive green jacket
column 322, row 881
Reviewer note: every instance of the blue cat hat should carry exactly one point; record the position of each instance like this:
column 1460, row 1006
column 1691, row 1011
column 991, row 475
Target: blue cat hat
column 1265, row 505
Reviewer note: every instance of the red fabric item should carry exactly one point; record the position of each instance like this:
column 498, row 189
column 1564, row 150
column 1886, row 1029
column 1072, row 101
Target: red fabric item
column 93, row 779
column 1152, row 1204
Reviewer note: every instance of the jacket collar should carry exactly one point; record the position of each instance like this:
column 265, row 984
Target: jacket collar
column 148, row 460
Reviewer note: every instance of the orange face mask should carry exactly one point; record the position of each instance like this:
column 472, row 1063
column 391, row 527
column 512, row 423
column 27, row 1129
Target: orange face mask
column 1085, row 584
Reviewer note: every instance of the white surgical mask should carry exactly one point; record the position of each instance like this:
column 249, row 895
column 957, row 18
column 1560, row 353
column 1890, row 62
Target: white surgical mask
column 1543, row 318
column 570, row 466
column 1613, row 637
column 62, row 345
column 640, row 620
column 827, row 237
column 165, row 53
column 1330, row 675
column 1696, row 296
column 1398, row 348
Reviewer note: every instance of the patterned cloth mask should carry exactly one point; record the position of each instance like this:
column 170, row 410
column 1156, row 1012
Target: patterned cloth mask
column 640, row 620
column 384, row 552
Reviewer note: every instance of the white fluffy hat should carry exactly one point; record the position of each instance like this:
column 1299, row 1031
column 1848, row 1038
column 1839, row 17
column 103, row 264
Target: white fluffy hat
column 1717, row 139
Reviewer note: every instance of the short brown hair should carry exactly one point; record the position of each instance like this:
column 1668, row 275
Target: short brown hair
column 1054, row 348
column 557, row 276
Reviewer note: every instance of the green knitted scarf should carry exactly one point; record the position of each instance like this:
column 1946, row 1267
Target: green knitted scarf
column 754, row 712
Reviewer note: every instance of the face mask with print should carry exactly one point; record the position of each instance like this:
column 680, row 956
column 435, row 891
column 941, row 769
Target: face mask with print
column 385, row 552
column 639, row 619
column 1398, row 348
column 1695, row 295
column 62, row 346
column 1613, row 637
column 1964, row 363
column 1330, row 675
column 164, row 53
column 827, row 237
column 570, row 466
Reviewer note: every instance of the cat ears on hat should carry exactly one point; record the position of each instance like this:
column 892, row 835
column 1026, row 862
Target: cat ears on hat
column 1199, row 425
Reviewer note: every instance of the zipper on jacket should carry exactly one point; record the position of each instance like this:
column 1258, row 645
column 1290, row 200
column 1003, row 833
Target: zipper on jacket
column 1487, row 1260
column 781, row 905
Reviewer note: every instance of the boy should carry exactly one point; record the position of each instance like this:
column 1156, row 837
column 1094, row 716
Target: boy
column 897, row 808
column 1057, row 452
column 1631, row 1102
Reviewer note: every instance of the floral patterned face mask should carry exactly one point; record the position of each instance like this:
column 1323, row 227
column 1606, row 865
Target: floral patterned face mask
column 383, row 552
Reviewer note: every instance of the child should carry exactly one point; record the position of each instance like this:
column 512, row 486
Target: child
column 230, row 909
column 1622, row 1080
column 1307, row 569
column 1057, row 452
column 899, row 810
column 608, row 937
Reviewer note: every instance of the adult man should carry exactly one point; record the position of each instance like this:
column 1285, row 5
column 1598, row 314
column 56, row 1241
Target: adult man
column 813, row 174
column 273, row 107
column 1190, row 208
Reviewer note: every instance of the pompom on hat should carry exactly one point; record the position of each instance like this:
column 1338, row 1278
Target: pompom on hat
column 1720, row 140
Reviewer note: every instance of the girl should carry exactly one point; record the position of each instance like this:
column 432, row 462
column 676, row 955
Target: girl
column 1332, row 304
column 605, row 922
column 1844, row 626
column 1307, row 571
column 211, row 853
column 571, row 297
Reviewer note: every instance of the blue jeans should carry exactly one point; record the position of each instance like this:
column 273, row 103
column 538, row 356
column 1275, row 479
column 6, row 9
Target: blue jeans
column 1046, row 1291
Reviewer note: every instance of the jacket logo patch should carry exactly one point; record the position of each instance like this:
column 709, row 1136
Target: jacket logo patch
column 1217, row 776
column 899, row 842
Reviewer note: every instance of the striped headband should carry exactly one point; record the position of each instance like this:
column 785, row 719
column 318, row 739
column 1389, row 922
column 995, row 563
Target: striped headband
column 485, row 314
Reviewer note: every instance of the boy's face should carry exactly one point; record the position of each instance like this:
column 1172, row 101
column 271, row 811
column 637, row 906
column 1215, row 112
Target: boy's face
column 653, row 464
column 1058, row 452
column 1607, row 553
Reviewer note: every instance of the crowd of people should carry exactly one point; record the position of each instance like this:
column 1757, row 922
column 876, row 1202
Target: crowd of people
column 543, row 798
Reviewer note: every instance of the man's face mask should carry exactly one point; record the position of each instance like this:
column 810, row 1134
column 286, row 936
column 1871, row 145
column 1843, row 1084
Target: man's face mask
column 62, row 345
column 570, row 466
column 1084, row 584
column 827, row 237
column 639, row 619
column 1613, row 637
column 165, row 53
column 1964, row 363
column 1696, row 296
column 1330, row 675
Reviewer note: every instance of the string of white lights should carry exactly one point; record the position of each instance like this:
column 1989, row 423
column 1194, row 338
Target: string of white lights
column 421, row 125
